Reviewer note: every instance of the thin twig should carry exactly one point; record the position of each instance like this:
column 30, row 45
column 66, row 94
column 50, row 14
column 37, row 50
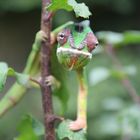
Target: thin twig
column 125, row 80
column 45, row 71
column 35, row 81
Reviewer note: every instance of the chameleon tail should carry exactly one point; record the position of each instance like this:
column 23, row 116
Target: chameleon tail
column 12, row 97
column 16, row 92
column 32, row 68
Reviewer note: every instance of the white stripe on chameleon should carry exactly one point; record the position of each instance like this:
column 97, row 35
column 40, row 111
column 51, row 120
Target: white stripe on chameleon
column 61, row 49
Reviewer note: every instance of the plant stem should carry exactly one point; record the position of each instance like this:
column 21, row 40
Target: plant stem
column 45, row 71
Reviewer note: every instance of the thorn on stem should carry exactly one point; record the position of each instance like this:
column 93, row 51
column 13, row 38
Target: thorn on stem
column 54, row 118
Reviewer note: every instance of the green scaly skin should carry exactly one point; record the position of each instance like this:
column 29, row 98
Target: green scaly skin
column 75, row 45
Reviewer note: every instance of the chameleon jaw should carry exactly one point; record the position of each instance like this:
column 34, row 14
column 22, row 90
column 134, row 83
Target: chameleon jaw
column 73, row 58
column 74, row 51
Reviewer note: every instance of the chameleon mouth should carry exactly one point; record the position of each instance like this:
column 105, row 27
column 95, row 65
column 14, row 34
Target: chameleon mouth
column 74, row 52
column 73, row 58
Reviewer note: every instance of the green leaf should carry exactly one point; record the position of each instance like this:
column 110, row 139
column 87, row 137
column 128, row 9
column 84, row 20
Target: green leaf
column 80, row 9
column 38, row 127
column 64, row 132
column 3, row 74
column 30, row 129
column 5, row 71
column 59, row 4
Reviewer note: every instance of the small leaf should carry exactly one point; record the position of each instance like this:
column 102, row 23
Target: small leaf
column 59, row 4
column 30, row 129
column 64, row 132
column 5, row 71
column 38, row 127
column 3, row 74
column 80, row 9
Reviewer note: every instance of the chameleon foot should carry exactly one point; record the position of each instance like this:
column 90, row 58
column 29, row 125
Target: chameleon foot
column 52, row 81
column 78, row 125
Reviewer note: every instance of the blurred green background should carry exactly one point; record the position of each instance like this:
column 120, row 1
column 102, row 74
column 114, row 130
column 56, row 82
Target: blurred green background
column 112, row 114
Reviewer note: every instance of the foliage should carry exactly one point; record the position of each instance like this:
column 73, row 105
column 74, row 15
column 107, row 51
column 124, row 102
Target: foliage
column 64, row 132
column 30, row 129
column 5, row 71
column 112, row 114
column 80, row 9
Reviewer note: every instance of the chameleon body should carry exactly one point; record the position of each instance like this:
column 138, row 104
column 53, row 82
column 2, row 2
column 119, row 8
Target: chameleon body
column 75, row 45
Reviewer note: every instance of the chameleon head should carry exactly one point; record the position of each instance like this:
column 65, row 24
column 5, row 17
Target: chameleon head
column 75, row 45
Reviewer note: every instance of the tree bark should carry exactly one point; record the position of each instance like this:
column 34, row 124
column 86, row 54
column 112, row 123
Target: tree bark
column 45, row 71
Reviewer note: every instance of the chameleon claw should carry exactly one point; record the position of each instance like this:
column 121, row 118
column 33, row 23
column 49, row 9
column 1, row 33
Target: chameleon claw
column 49, row 80
column 52, row 81
column 41, row 35
column 77, row 125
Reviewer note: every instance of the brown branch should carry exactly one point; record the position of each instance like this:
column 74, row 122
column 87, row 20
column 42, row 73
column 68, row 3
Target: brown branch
column 45, row 71
column 125, row 80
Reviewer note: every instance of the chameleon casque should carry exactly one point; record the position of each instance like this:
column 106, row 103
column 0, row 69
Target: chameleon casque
column 76, row 41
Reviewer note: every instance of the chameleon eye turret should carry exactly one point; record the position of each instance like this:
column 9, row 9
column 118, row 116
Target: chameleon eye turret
column 62, row 37
column 75, row 44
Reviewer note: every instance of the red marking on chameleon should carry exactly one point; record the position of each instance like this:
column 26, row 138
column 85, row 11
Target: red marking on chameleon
column 73, row 61
column 92, row 41
column 62, row 37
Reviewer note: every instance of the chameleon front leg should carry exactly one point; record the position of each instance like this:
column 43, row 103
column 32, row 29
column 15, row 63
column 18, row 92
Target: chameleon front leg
column 81, row 121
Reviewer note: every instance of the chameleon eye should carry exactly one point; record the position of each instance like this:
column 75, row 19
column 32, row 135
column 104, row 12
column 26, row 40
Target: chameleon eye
column 92, row 41
column 63, row 36
column 96, row 44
